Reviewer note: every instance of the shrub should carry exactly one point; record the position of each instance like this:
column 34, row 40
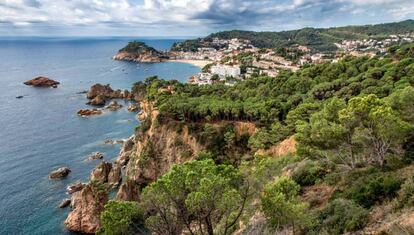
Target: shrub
column 374, row 190
column 121, row 217
column 341, row 216
column 405, row 195
column 308, row 172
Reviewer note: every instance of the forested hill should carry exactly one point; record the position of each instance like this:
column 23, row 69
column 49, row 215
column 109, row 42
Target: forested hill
column 319, row 39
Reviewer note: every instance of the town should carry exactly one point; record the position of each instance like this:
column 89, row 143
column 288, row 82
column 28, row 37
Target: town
column 229, row 61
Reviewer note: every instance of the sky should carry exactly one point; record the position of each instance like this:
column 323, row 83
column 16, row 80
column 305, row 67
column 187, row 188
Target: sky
column 181, row 18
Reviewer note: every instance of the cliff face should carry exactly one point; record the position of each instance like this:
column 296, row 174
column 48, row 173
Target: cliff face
column 153, row 152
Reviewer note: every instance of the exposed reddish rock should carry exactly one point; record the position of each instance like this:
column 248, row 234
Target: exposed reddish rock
column 129, row 191
column 145, row 57
column 115, row 176
column 99, row 89
column 59, row 173
column 64, row 203
column 99, row 100
column 87, row 206
column 101, row 172
column 89, row 112
column 42, row 82
column 75, row 187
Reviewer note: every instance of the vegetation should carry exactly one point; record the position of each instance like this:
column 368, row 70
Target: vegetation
column 138, row 48
column 121, row 218
column 317, row 39
column 353, row 123
column 211, row 197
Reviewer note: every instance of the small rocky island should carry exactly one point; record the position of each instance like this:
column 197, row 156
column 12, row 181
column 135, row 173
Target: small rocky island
column 140, row 52
column 42, row 82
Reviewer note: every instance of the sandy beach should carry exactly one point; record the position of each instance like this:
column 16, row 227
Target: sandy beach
column 198, row 63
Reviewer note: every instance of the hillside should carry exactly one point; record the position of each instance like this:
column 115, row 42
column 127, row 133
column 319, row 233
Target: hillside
column 139, row 52
column 324, row 150
column 319, row 39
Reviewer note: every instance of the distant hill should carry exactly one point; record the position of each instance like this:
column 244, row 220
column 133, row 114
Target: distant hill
column 319, row 39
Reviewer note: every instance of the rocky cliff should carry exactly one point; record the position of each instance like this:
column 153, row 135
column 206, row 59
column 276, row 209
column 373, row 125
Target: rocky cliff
column 152, row 152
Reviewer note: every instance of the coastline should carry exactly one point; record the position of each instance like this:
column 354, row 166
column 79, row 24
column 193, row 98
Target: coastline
column 198, row 63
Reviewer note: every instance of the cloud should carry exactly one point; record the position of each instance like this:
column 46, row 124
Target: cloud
column 191, row 17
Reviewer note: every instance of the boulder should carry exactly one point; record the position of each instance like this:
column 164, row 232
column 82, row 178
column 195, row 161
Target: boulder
column 101, row 172
column 75, row 187
column 89, row 112
column 87, row 206
column 98, row 100
column 59, row 173
column 42, row 82
column 64, row 203
column 113, row 106
column 95, row 156
column 19, row 97
column 112, row 142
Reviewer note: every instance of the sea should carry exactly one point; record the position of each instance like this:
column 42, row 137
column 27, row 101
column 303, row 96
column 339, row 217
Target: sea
column 41, row 131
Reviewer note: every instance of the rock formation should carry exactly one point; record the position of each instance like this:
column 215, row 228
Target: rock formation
column 133, row 108
column 59, row 173
column 95, row 156
column 140, row 52
column 65, row 203
column 98, row 94
column 113, row 106
column 87, row 206
column 42, row 82
column 75, row 187
column 89, row 112
column 101, row 172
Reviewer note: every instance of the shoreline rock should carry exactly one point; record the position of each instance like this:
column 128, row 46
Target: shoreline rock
column 89, row 112
column 95, row 156
column 75, row 187
column 99, row 94
column 59, row 173
column 113, row 106
column 42, row 82
column 65, row 203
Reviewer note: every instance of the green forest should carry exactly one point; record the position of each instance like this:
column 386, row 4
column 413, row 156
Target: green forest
column 354, row 126
column 318, row 39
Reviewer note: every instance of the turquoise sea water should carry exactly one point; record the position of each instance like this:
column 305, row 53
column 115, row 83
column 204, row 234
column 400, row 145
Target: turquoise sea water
column 42, row 132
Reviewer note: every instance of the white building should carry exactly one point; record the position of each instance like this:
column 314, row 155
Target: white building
column 226, row 71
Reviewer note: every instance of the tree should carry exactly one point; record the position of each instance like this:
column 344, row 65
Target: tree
column 380, row 128
column 197, row 196
column 282, row 206
column 121, row 217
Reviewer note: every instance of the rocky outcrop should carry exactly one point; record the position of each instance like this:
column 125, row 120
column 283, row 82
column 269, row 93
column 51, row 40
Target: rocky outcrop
column 129, row 191
column 42, row 82
column 89, row 112
column 101, row 172
column 59, row 173
column 140, row 52
column 113, row 106
column 65, row 203
column 75, row 187
column 95, row 156
column 99, row 94
column 87, row 206
column 107, row 172
column 115, row 176
column 152, row 153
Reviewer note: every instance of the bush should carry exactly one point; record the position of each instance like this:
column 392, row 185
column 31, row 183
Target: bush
column 121, row 217
column 308, row 172
column 405, row 195
column 374, row 190
column 341, row 216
